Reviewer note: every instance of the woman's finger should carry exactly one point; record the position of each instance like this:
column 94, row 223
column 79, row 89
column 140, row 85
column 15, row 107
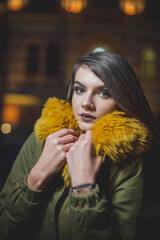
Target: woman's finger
column 67, row 147
column 81, row 137
column 88, row 135
column 67, row 139
column 63, row 132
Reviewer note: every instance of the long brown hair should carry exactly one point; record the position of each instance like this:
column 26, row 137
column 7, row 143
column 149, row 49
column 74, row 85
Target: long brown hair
column 122, row 84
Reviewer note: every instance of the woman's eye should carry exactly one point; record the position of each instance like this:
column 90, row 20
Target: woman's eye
column 79, row 90
column 105, row 94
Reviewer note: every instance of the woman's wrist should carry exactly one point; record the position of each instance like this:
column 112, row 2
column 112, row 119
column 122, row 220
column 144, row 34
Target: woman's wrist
column 36, row 181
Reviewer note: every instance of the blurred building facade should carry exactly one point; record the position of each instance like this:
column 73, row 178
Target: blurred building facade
column 39, row 46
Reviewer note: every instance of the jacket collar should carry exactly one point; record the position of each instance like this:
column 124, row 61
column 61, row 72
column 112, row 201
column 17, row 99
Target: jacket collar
column 114, row 135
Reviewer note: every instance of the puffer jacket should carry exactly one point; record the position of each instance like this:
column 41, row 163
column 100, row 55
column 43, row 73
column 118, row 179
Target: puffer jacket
column 110, row 211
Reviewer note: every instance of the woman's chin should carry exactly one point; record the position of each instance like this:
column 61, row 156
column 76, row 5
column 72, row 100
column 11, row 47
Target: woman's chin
column 85, row 126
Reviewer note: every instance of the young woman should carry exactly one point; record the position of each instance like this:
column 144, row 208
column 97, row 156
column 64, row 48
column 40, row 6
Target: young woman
column 80, row 175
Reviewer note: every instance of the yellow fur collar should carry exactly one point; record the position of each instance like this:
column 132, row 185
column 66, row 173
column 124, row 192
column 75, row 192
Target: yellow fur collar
column 114, row 134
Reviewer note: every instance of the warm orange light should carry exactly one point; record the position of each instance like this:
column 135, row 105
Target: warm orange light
column 21, row 99
column 10, row 114
column 74, row 6
column 132, row 7
column 16, row 5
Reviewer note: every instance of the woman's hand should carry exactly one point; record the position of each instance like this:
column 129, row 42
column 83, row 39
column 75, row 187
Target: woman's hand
column 83, row 164
column 52, row 158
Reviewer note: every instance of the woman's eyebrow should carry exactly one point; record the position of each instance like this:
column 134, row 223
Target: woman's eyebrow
column 99, row 87
column 79, row 83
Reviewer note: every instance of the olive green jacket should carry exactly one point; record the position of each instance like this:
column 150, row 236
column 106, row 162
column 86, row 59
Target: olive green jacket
column 110, row 211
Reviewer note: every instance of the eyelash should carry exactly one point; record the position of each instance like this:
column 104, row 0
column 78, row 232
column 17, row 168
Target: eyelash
column 80, row 90
column 107, row 95
column 77, row 89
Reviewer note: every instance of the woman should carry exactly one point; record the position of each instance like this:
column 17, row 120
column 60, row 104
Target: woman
column 80, row 173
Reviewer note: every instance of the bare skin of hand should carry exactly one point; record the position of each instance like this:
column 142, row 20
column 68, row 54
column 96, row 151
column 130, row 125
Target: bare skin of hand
column 83, row 164
column 52, row 159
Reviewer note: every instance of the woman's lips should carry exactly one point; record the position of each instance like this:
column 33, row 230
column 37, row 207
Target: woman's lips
column 87, row 117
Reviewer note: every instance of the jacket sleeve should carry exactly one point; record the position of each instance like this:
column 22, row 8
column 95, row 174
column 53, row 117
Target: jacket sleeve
column 19, row 205
column 100, row 217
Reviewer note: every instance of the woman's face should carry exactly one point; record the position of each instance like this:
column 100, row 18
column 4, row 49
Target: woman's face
column 91, row 99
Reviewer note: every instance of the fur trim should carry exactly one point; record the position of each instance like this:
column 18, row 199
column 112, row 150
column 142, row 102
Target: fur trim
column 114, row 134
column 120, row 137
column 56, row 115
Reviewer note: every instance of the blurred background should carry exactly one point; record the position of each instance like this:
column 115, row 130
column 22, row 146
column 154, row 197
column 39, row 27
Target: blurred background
column 40, row 40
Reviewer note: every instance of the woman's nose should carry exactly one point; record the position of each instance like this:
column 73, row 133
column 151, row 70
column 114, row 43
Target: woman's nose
column 88, row 103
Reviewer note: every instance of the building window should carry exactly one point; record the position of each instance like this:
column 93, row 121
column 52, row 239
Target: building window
column 52, row 60
column 32, row 59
